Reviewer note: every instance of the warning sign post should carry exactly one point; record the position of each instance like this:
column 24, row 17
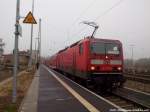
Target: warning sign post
column 29, row 19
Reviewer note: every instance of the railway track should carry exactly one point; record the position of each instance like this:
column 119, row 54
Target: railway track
column 130, row 99
column 123, row 103
column 138, row 75
column 142, row 75
column 125, row 99
column 140, row 78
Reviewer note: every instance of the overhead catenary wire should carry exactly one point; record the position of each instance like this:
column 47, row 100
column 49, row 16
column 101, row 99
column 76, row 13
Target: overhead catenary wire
column 109, row 10
column 82, row 13
column 80, row 31
column 79, row 17
column 101, row 15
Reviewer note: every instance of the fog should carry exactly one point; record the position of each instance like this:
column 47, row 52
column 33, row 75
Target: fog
column 124, row 20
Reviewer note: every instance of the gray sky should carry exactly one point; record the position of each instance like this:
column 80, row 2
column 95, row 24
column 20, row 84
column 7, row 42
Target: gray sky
column 125, row 20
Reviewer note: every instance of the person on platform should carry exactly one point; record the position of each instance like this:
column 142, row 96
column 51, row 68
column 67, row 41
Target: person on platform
column 37, row 65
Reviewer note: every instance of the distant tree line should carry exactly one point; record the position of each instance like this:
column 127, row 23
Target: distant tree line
column 139, row 65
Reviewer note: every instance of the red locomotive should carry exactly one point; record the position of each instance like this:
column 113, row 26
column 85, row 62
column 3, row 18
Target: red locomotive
column 95, row 61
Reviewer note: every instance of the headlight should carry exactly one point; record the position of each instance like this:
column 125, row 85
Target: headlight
column 92, row 68
column 119, row 68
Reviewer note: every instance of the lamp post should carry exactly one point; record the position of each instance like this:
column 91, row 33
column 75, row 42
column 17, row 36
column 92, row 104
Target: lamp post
column 15, row 67
column 38, row 50
column 30, row 60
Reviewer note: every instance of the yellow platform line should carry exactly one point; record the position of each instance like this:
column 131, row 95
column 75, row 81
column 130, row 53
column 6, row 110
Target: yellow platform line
column 83, row 101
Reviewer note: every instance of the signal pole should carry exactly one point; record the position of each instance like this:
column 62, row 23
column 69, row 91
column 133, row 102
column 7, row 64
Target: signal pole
column 40, row 21
column 2, row 44
column 15, row 67
column 30, row 60
column 35, row 51
column 132, row 56
column 39, row 42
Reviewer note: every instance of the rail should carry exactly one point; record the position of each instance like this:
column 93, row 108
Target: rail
column 123, row 98
column 144, row 79
column 140, row 98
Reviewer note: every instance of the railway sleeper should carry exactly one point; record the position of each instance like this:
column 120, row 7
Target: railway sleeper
column 115, row 100
column 129, row 106
column 121, row 103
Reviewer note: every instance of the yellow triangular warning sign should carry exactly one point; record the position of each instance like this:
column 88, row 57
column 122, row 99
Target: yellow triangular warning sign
column 30, row 19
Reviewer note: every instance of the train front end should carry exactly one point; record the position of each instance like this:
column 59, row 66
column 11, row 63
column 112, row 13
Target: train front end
column 106, row 62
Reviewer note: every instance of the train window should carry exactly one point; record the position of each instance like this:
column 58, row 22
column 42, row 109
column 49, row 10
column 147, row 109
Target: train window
column 81, row 49
column 98, row 48
column 112, row 48
column 105, row 48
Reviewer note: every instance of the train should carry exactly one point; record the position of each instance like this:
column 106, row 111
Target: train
column 94, row 61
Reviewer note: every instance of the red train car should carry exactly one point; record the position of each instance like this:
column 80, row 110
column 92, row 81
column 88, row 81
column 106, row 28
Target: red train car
column 96, row 61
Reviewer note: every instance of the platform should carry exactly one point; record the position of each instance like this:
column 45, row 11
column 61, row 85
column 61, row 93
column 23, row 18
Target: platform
column 52, row 92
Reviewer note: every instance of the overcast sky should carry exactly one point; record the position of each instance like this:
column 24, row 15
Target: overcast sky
column 125, row 20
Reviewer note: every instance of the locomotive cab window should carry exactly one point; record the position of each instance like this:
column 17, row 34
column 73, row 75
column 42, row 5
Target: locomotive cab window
column 81, row 49
column 105, row 48
column 112, row 48
column 97, row 48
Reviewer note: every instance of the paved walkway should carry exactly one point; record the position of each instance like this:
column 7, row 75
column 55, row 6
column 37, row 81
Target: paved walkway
column 29, row 103
column 52, row 92
column 54, row 97
column 46, row 94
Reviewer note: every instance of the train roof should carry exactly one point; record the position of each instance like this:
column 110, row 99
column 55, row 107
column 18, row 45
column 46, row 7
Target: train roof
column 100, row 39
column 62, row 50
column 90, row 39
